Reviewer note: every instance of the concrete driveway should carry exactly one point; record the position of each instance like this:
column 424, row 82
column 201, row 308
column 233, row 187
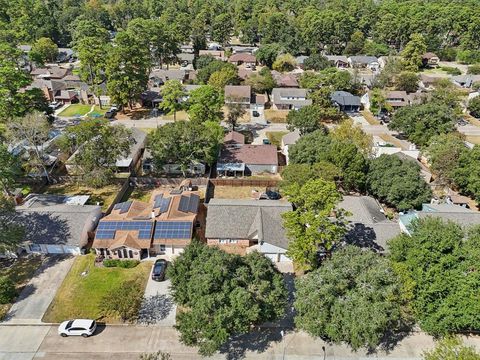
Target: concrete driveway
column 158, row 307
column 40, row 291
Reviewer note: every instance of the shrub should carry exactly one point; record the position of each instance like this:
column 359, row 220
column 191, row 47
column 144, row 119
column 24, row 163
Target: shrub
column 474, row 107
column 468, row 56
column 124, row 301
column 126, row 264
column 7, row 290
column 447, row 54
column 474, row 69
column 451, row 70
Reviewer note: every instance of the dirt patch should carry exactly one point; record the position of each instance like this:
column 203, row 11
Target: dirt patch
column 237, row 192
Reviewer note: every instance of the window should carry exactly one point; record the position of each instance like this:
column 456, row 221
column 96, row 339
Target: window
column 227, row 241
column 162, row 247
column 35, row 248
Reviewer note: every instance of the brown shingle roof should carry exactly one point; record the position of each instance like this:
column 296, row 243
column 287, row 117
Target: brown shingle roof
column 234, row 137
column 238, row 91
column 250, row 154
column 243, row 57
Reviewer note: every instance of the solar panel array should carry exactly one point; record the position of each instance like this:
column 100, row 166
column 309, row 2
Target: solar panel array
column 123, row 207
column 161, row 203
column 173, row 230
column 106, row 229
column 189, row 203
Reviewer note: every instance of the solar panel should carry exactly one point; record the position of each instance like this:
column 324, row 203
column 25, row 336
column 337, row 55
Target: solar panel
column 123, row 206
column 173, row 230
column 158, row 201
column 193, row 203
column 183, row 206
column 164, row 205
column 106, row 229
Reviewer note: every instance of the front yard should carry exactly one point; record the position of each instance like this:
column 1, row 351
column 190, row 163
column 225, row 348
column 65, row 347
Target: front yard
column 81, row 110
column 20, row 272
column 84, row 287
column 104, row 195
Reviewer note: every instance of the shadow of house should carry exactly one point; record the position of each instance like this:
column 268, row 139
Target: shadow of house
column 54, row 226
column 368, row 226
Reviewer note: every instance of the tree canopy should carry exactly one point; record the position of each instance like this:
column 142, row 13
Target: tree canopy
column 398, row 182
column 352, row 297
column 306, row 120
column 439, row 261
column 420, row 123
column 185, row 143
column 223, row 294
column 205, row 104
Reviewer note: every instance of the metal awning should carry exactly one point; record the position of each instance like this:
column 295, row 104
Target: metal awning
column 231, row 167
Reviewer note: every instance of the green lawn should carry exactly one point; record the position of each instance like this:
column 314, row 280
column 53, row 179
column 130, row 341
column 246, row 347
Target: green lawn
column 80, row 295
column 20, row 273
column 104, row 195
column 75, row 109
column 275, row 137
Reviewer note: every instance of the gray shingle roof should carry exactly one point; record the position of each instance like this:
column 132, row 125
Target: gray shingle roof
column 50, row 221
column 369, row 226
column 247, row 219
column 344, row 98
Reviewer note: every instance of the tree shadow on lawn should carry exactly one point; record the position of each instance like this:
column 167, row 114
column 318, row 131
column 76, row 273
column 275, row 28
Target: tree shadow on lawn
column 260, row 338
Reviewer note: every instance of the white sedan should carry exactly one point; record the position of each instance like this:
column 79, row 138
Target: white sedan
column 79, row 327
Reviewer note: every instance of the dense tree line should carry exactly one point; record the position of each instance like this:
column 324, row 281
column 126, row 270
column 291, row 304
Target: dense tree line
column 340, row 26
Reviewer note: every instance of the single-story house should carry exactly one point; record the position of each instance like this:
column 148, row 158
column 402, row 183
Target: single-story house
column 288, row 140
column 339, row 61
column 236, row 49
column 241, row 226
column 447, row 212
column 187, row 49
column 136, row 229
column 345, row 101
column 238, row 94
column 247, row 59
column 238, row 158
column 364, row 61
column 397, row 99
column 289, row 98
column 217, row 54
column 288, row 80
column 185, row 58
column 50, row 72
column 57, row 224
column 427, row 82
column 430, row 59
column 367, row 224
column 158, row 77
column 384, row 60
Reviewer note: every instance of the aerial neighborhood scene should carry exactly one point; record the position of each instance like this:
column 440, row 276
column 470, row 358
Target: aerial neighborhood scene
column 240, row 179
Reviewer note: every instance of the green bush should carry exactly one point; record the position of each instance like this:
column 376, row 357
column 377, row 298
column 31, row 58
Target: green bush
column 451, row 70
column 7, row 290
column 447, row 54
column 468, row 56
column 123, row 301
column 474, row 69
column 126, row 264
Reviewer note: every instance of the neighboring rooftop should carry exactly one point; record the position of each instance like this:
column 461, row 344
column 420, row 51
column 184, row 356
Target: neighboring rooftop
column 247, row 219
column 249, row 154
column 291, row 138
column 234, row 137
column 344, row 98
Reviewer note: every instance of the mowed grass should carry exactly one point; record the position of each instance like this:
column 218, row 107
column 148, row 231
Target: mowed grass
column 80, row 295
column 104, row 195
column 275, row 137
column 75, row 109
column 20, row 273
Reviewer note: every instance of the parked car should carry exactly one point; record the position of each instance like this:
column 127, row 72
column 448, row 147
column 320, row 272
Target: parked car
column 266, row 142
column 110, row 114
column 54, row 105
column 159, row 269
column 78, row 327
column 255, row 113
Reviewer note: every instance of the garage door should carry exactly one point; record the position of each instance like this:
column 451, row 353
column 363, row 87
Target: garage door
column 55, row 249
column 272, row 257
column 71, row 250
column 284, row 258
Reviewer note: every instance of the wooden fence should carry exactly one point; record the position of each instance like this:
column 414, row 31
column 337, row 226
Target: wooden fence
column 199, row 181
column 245, row 182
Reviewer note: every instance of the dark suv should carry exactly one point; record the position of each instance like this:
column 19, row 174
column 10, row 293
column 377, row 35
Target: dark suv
column 159, row 269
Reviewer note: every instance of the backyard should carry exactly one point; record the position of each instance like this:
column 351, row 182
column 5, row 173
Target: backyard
column 275, row 137
column 237, row 192
column 84, row 287
column 276, row 116
column 20, row 271
column 104, row 195
column 77, row 110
